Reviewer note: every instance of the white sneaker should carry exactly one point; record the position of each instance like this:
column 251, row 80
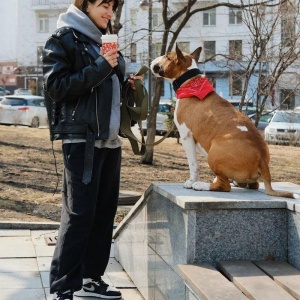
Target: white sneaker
column 67, row 295
column 99, row 289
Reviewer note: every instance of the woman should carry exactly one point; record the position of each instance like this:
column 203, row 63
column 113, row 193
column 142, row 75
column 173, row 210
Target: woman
column 82, row 92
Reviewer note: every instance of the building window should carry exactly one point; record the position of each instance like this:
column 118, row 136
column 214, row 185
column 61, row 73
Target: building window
column 288, row 24
column 156, row 18
column 133, row 52
column 156, row 48
column 39, row 52
column 184, row 46
column 133, row 16
column 209, row 17
column 236, row 85
column 209, row 50
column 236, row 49
column 235, row 16
column 43, row 23
column 287, row 99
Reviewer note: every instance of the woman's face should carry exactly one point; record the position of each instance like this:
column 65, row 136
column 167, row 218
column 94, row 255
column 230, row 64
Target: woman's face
column 100, row 13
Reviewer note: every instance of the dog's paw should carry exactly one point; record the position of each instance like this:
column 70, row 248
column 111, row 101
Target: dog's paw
column 201, row 186
column 188, row 184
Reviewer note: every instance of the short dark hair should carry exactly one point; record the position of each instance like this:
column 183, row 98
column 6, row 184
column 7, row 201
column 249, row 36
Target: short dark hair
column 82, row 4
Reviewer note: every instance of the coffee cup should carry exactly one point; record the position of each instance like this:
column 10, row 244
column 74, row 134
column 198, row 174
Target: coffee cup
column 109, row 42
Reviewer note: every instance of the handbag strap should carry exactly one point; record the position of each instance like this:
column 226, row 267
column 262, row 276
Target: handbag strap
column 135, row 107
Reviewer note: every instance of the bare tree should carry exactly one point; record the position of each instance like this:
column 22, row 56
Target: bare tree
column 272, row 56
column 116, row 25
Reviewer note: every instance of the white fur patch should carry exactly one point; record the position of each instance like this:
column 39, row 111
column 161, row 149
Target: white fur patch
column 188, row 184
column 155, row 62
column 193, row 65
column 242, row 128
column 296, row 196
column 201, row 186
column 201, row 150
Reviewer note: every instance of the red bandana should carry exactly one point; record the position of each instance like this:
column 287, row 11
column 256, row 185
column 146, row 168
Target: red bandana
column 199, row 87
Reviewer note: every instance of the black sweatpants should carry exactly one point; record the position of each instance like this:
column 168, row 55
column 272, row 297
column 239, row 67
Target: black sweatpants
column 87, row 217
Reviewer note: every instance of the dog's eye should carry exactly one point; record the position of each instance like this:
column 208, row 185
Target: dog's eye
column 166, row 56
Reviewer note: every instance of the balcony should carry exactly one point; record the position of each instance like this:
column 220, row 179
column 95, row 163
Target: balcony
column 50, row 4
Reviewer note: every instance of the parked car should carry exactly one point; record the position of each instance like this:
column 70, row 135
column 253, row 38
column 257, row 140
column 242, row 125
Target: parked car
column 23, row 110
column 284, row 128
column 162, row 115
column 4, row 92
column 264, row 120
column 247, row 110
column 22, row 91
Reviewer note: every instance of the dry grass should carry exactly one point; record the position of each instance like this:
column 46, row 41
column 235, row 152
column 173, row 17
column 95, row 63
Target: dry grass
column 28, row 177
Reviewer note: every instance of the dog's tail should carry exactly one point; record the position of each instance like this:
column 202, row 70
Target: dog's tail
column 266, row 177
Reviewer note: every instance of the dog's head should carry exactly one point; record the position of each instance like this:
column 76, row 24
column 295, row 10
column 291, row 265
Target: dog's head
column 175, row 63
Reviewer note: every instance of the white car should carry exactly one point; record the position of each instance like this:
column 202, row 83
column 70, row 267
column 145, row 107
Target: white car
column 284, row 128
column 22, row 91
column 162, row 115
column 23, row 110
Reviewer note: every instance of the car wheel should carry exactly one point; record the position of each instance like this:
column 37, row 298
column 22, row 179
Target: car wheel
column 35, row 123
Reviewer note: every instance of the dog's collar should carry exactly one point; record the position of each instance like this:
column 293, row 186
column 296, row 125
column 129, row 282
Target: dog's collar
column 184, row 77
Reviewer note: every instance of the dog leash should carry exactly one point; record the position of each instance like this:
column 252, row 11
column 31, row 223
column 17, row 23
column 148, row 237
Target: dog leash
column 135, row 107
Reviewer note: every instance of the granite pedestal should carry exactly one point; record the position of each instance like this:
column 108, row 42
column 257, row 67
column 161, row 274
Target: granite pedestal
column 171, row 225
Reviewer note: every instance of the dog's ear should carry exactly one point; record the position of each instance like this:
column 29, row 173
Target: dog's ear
column 180, row 56
column 196, row 54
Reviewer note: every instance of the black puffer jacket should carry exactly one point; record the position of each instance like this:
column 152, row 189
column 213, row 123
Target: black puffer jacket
column 78, row 86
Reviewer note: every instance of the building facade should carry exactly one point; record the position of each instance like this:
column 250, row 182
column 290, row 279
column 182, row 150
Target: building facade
column 221, row 32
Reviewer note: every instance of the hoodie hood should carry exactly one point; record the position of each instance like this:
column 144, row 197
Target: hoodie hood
column 79, row 21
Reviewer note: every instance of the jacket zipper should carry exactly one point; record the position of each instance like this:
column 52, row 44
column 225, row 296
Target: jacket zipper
column 75, row 109
column 98, row 127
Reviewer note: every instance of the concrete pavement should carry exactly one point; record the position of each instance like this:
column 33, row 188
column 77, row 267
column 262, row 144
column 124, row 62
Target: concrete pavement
column 25, row 259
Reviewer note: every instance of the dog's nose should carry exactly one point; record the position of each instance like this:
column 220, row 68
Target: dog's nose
column 156, row 68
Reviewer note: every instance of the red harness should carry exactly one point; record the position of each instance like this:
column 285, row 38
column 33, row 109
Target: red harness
column 199, row 87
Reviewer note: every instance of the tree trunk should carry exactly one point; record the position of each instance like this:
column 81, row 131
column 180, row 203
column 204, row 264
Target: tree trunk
column 151, row 124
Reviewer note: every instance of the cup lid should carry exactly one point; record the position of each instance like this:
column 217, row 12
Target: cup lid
column 109, row 37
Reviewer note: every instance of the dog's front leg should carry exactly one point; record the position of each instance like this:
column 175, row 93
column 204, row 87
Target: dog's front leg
column 189, row 147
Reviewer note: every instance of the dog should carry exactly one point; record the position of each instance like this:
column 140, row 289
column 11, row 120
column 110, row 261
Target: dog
column 236, row 151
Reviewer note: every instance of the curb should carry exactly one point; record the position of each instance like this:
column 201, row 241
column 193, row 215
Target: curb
column 28, row 225
column 125, row 198
column 128, row 197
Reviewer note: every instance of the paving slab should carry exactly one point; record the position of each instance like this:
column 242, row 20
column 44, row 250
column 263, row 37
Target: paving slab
column 25, row 262
column 130, row 294
column 45, row 279
column 44, row 263
column 24, row 294
column 117, row 275
column 20, row 280
column 9, row 232
column 18, row 265
column 16, row 247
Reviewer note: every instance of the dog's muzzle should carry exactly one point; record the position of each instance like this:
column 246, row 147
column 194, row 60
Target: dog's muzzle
column 157, row 69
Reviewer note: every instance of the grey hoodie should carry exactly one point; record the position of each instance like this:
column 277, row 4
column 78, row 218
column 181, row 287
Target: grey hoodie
column 78, row 20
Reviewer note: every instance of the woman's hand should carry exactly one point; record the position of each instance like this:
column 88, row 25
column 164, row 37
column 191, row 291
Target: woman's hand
column 132, row 79
column 111, row 56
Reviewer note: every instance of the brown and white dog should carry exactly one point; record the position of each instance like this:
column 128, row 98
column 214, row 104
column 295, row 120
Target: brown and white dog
column 235, row 149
